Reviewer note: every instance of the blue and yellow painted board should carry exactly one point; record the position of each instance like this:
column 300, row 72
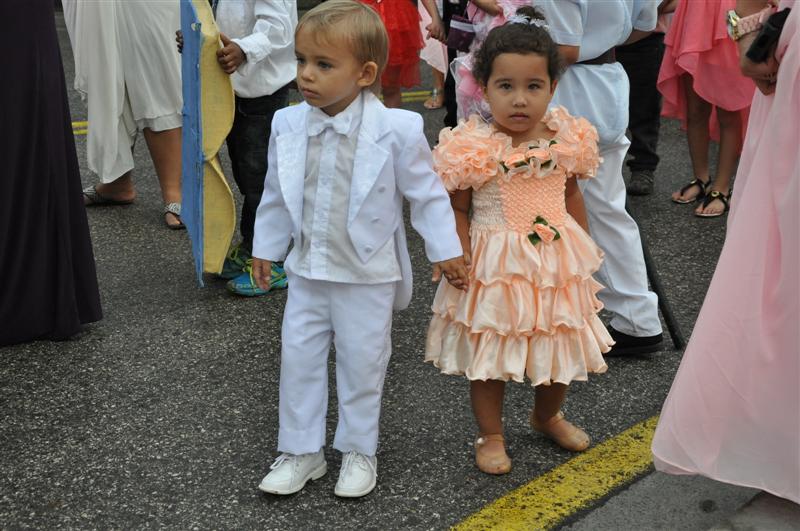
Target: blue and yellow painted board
column 208, row 211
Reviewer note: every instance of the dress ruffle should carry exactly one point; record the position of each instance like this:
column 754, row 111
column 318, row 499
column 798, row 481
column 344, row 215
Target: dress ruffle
column 530, row 310
column 473, row 153
column 401, row 19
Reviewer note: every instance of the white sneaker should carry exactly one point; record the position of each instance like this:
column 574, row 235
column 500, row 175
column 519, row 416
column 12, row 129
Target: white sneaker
column 357, row 476
column 289, row 473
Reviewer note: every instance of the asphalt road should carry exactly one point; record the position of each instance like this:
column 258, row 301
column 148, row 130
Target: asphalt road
column 164, row 414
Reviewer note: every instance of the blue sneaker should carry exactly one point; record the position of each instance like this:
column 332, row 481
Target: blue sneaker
column 246, row 285
column 235, row 262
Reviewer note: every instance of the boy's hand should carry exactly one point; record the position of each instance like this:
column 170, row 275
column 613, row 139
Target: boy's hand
column 230, row 56
column 454, row 270
column 179, row 40
column 262, row 272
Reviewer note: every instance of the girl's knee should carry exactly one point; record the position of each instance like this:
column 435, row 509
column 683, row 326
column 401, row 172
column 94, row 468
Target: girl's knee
column 729, row 119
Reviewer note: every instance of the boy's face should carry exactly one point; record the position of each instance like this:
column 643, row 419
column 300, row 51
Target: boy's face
column 328, row 74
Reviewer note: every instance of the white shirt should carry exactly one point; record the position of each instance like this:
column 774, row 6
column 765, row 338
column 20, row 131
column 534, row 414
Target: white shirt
column 599, row 93
column 327, row 253
column 264, row 30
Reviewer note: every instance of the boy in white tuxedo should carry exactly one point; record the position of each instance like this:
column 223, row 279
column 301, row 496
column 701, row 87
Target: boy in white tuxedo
column 340, row 165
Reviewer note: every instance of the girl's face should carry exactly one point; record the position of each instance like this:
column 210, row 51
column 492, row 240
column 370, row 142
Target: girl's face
column 519, row 90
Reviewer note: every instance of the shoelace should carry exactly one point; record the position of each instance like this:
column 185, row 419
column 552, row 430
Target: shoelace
column 353, row 458
column 292, row 459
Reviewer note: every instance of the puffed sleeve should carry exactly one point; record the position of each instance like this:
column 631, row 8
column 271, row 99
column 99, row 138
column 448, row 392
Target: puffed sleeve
column 468, row 156
column 576, row 149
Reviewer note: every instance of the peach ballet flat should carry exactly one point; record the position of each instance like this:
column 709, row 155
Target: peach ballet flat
column 575, row 440
column 491, row 462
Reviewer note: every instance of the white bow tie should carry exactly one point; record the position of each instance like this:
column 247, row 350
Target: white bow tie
column 318, row 122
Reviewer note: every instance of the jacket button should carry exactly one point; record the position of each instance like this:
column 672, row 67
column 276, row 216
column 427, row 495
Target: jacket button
column 367, row 249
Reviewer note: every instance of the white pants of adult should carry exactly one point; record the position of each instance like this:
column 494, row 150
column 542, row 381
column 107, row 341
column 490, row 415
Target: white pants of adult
column 358, row 319
column 623, row 272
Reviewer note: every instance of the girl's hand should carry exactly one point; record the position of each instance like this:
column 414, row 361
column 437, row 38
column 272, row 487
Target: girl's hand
column 454, row 270
column 765, row 75
column 262, row 272
column 436, row 30
column 230, row 56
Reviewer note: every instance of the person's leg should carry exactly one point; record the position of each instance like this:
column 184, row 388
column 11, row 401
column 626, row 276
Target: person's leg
column 698, row 112
column 730, row 145
column 392, row 97
column 306, row 339
column 362, row 324
column 547, row 418
column 165, row 150
column 623, row 272
column 641, row 61
column 487, row 406
column 437, row 94
column 247, row 146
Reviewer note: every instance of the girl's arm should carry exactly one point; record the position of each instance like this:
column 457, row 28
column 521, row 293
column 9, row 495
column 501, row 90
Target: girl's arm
column 574, row 200
column 436, row 27
column 667, row 6
column 461, row 201
column 489, row 6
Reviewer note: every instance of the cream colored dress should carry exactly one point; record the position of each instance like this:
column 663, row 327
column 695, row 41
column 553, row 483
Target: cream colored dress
column 128, row 67
column 531, row 307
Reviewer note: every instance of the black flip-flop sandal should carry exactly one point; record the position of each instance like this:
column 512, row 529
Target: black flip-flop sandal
column 694, row 182
column 95, row 199
column 711, row 196
column 175, row 210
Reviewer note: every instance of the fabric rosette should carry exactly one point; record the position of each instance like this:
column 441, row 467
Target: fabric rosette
column 576, row 151
column 468, row 156
column 543, row 231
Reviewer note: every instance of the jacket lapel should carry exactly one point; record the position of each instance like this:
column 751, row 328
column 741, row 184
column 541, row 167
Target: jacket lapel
column 291, row 156
column 369, row 157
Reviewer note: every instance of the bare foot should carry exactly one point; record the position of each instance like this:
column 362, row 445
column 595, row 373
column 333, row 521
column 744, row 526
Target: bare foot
column 110, row 193
column 715, row 204
column 690, row 192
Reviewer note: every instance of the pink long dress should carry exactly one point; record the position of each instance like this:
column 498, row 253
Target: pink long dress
column 733, row 413
column 697, row 44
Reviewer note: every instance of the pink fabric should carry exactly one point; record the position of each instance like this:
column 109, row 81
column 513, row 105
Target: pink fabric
column 697, row 44
column 531, row 310
column 434, row 53
column 732, row 413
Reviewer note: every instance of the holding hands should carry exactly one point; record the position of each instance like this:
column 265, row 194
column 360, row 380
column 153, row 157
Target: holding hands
column 765, row 74
column 454, row 270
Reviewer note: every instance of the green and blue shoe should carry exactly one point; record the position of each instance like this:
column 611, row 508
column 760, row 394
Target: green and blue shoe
column 235, row 262
column 245, row 284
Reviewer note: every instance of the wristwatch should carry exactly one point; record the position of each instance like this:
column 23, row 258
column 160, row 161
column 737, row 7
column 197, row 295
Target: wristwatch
column 738, row 26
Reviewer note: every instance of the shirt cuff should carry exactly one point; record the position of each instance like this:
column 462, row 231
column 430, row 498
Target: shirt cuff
column 565, row 38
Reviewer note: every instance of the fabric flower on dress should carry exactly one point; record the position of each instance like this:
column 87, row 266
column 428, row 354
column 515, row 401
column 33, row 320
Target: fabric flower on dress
column 576, row 149
column 543, row 232
column 468, row 156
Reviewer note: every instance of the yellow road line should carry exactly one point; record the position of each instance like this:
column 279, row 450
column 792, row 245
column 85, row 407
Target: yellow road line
column 79, row 124
column 568, row 488
column 80, row 131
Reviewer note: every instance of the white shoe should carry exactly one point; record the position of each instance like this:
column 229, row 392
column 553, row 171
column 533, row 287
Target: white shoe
column 289, row 473
column 357, row 476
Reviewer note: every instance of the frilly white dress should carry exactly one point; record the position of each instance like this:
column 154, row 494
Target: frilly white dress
column 531, row 308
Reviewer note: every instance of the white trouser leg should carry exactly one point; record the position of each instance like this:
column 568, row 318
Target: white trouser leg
column 362, row 323
column 306, row 340
column 623, row 272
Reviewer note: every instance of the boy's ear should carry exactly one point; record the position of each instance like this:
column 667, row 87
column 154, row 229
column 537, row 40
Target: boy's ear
column 369, row 73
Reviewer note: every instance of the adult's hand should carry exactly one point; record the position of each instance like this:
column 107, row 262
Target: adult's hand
column 230, row 56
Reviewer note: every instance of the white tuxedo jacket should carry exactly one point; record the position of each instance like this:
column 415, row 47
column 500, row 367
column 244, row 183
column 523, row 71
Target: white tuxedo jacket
column 392, row 161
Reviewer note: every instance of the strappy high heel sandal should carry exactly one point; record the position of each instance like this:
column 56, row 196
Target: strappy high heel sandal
column 495, row 463
column 576, row 440
column 703, row 185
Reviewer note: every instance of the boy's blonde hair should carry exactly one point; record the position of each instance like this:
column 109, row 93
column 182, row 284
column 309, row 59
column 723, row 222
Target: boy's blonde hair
column 355, row 23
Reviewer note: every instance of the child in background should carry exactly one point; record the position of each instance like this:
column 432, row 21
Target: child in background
column 530, row 309
column 703, row 87
column 340, row 165
column 405, row 42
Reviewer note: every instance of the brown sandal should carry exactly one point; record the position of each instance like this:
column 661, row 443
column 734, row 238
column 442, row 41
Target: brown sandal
column 495, row 463
column 576, row 441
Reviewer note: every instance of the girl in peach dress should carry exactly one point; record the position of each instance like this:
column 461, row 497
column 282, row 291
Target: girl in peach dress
column 530, row 310
column 703, row 87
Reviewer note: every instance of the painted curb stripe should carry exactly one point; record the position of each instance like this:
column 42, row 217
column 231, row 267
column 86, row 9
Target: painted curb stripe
column 568, row 488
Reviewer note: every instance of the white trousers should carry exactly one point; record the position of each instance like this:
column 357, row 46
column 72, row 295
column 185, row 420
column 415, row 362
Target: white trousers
column 358, row 319
column 623, row 272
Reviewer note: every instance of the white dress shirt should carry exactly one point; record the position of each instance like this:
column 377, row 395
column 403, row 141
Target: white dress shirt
column 264, row 30
column 327, row 253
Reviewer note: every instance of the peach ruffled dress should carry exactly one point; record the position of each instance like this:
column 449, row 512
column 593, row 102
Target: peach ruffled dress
column 531, row 309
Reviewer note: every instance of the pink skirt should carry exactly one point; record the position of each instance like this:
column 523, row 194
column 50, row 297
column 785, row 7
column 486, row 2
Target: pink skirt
column 699, row 51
